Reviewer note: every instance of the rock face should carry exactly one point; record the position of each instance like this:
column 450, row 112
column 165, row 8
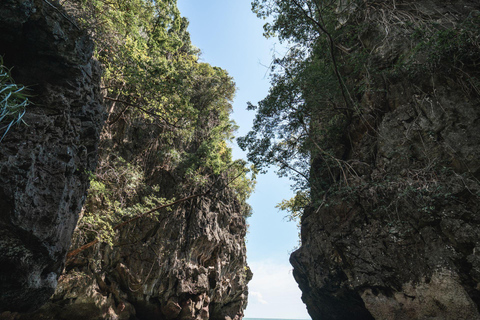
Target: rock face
column 44, row 164
column 402, row 240
column 188, row 264
column 184, row 263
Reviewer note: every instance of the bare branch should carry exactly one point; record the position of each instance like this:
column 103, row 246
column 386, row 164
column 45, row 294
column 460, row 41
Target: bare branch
column 136, row 106
column 75, row 252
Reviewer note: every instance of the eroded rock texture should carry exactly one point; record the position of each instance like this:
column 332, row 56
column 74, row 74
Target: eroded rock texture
column 44, row 164
column 190, row 264
column 402, row 239
column 185, row 263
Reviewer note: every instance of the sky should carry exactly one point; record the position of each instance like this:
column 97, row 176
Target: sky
column 230, row 36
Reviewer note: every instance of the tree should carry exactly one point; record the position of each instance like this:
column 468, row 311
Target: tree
column 289, row 129
column 331, row 79
column 168, row 125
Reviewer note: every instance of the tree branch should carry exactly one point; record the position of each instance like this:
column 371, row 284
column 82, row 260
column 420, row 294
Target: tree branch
column 332, row 46
column 74, row 252
column 139, row 108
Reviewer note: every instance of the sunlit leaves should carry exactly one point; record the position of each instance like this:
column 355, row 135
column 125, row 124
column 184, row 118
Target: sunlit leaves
column 299, row 118
column 13, row 101
column 169, row 114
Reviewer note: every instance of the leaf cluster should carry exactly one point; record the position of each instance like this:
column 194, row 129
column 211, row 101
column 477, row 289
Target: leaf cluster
column 444, row 49
column 167, row 133
column 13, row 101
column 340, row 54
column 303, row 116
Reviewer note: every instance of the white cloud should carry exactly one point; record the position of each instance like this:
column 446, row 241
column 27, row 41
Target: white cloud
column 259, row 297
column 273, row 282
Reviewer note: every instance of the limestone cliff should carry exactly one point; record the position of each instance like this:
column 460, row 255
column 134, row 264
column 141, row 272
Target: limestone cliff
column 187, row 264
column 43, row 163
column 184, row 263
column 164, row 140
column 400, row 239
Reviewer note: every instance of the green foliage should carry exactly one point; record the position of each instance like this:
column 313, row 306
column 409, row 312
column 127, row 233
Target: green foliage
column 242, row 185
column 444, row 49
column 114, row 195
column 168, row 128
column 340, row 56
column 304, row 115
column 295, row 206
column 13, row 100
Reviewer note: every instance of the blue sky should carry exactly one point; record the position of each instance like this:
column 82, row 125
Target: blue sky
column 230, row 36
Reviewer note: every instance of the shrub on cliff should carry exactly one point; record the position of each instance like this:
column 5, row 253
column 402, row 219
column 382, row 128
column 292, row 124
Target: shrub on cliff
column 168, row 125
column 331, row 84
column 13, row 101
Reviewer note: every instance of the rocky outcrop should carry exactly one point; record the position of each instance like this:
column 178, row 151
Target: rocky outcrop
column 399, row 236
column 44, row 164
column 186, row 264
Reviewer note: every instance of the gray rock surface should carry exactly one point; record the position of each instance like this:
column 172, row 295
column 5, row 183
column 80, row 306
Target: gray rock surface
column 44, row 164
column 188, row 264
column 402, row 240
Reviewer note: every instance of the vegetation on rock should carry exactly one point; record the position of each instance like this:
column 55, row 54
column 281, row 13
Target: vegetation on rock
column 332, row 81
column 374, row 113
column 13, row 100
column 168, row 126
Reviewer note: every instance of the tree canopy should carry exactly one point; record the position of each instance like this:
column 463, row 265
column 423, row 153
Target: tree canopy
column 332, row 69
column 306, row 87
column 168, row 126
